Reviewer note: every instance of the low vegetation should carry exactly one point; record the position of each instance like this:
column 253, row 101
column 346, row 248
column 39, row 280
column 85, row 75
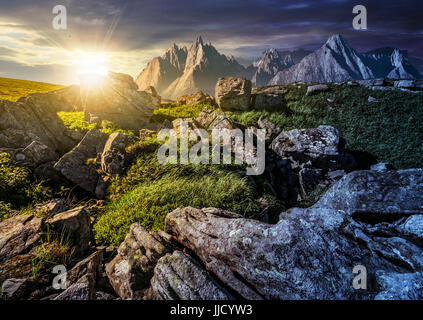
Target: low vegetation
column 76, row 121
column 389, row 130
column 149, row 191
column 18, row 188
column 172, row 111
column 13, row 89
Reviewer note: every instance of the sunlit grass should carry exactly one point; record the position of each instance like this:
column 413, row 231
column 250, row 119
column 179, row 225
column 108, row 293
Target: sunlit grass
column 13, row 89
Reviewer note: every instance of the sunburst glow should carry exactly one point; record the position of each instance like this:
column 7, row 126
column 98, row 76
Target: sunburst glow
column 91, row 67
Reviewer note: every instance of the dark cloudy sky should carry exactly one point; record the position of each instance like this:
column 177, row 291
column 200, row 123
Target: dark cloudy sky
column 132, row 32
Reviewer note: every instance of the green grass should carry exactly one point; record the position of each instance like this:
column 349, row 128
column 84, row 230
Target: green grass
column 13, row 89
column 149, row 191
column 172, row 111
column 389, row 130
column 75, row 121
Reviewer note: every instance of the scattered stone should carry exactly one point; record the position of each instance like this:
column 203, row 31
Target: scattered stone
column 399, row 286
column 233, row 93
column 15, row 289
column 84, row 289
column 316, row 89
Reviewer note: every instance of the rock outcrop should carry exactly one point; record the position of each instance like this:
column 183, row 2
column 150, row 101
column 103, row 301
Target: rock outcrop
column 118, row 100
column 233, row 93
column 74, row 166
column 319, row 145
column 268, row 97
column 196, row 98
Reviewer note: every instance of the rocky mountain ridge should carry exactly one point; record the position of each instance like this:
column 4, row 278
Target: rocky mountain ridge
column 182, row 71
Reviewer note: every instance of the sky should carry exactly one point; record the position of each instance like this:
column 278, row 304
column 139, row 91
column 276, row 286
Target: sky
column 130, row 33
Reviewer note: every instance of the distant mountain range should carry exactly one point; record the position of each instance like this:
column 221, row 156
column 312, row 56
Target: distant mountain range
column 182, row 71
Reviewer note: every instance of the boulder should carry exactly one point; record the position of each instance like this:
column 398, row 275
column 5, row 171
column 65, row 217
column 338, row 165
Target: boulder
column 268, row 98
column 19, row 235
column 178, row 276
column 319, row 145
column 196, row 98
column 399, row 286
column 115, row 158
column 377, row 195
column 118, row 100
column 74, row 166
column 216, row 119
column 156, row 100
column 76, row 222
column 91, row 265
column 309, row 254
column 233, row 93
column 33, row 118
column 316, row 89
column 130, row 271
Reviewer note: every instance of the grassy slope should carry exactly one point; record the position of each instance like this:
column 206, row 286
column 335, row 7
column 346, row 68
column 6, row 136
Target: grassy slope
column 390, row 130
column 13, row 89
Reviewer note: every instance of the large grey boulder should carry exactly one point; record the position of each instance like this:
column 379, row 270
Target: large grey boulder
column 233, row 93
column 309, row 254
column 316, row 89
column 33, row 118
column 268, row 97
column 377, row 195
column 178, row 276
column 118, row 100
column 74, row 166
column 319, row 145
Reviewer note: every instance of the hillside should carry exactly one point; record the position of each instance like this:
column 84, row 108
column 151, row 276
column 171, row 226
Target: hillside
column 13, row 89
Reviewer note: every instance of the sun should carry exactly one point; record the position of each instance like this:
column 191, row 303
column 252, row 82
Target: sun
column 91, row 67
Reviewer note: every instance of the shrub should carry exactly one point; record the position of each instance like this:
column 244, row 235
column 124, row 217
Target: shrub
column 17, row 187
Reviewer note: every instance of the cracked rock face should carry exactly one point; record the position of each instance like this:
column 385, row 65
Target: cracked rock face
column 233, row 93
column 178, row 276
